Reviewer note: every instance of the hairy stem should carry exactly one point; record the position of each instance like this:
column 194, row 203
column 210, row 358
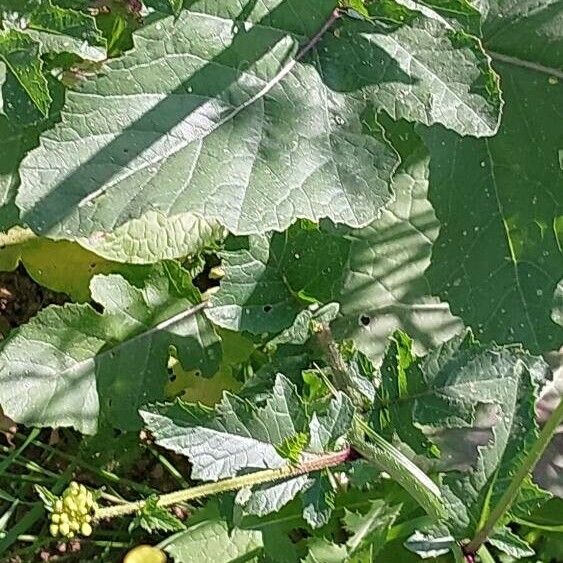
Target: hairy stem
column 340, row 374
column 249, row 480
column 525, row 469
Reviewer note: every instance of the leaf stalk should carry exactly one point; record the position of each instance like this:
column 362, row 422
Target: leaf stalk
column 240, row 482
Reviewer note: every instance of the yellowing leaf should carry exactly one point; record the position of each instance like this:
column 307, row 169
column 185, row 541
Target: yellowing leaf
column 193, row 388
column 59, row 265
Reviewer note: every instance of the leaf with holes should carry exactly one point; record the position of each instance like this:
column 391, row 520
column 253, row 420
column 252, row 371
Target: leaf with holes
column 376, row 273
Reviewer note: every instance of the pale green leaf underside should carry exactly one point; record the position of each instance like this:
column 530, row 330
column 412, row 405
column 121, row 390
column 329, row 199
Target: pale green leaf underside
column 154, row 237
column 236, row 121
column 235, row 436
column 211, row 541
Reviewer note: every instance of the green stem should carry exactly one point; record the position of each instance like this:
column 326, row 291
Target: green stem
column 525, row 469
column 240, row 482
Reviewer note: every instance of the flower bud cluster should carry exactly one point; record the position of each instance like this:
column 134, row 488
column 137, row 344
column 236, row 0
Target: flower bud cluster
column 72, row 513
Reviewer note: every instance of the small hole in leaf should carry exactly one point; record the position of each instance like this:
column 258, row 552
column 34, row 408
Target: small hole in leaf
column 172, row 377
column 267, row 308
column 365, row 320
column 197, row 373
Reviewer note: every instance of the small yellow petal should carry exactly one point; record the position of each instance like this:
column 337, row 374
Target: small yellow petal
column 145, row 554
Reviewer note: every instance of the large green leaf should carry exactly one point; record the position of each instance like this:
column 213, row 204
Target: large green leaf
column 220, row 117
column 439, row 400
column 374, row 273
column 74, row 366
column 498, row 258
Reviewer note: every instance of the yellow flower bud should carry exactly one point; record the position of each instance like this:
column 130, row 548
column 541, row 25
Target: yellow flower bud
column 54, row 530
column 75, row 525
column 64, row 517
column 87, row 518
column 86, row 529
column 145, row 554
column 69, row 503
column 58, row 505
column 55, row 517
column 64, row 529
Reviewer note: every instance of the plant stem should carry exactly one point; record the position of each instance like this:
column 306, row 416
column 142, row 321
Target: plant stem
column 249, row 480
column 341, row 376
column 525, row 469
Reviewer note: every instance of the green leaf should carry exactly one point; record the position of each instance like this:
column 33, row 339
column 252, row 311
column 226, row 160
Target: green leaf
column 358, row 6
column 323, row 551
column 292, row 447
column 219, row 117
column 155, row 518
column 80, row 367
column 212, row 542
column 370, row 529
column 498, row 258
column 20, row 54
column 471, row 496
column 47, row 497
column 461, row 14
column 374, row 273
column 239, row 434
column 511, row 544
column 266, row 499
column 58, row 29
column 429, row 545
column 269, row 280
column 318, row 501
column 154, row 237
column 327, row 428
column 437, row 400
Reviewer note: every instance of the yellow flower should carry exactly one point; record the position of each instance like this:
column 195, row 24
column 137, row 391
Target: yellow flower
column 145, row 554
